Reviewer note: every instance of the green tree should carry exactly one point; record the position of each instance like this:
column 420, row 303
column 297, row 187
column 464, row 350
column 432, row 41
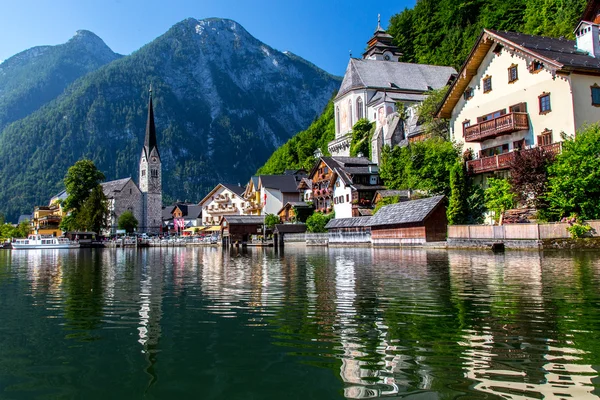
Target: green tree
column 127, row 221
column 79, row 181
column 2, row 220
column 271, row 220
column 458, row 207
column 476, row 204
column 70, row 222
column 94, row 214
column 428, row 109
column 423, row 166
column 316, row 222
column 362, row 132
column 386, row 201
column 499, row 197
column 574, row 176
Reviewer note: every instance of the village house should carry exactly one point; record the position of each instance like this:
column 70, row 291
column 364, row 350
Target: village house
column 239, row 229
column 385, row 91
column 46, row 219
column 182, row 216
column 410, row 222
column 267, row 194
column 295, row 211
column 305, row 189
column 345, row 185
column 223, row 200
column 517, row 92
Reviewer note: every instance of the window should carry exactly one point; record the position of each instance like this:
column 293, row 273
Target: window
column 535, row 67
column 519, row 144
column 491, row 116
column 521, row 107
column 492, row 151
column 337, row 119
column 595, row 95
column 143, row 172
column 154, row 173
column 513, row 74
column 468, row 94
column 359, row 108
column 347, row 198
column 487, row 84
column 544, row 100
column 545, row 138
column 350, row 112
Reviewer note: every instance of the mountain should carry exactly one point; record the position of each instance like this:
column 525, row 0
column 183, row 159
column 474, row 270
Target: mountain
column 36, row 76
column 223, row 102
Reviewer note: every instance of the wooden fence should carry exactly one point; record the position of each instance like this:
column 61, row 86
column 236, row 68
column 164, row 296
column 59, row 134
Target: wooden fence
column 517, row 231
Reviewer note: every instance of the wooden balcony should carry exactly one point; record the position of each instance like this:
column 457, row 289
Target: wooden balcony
column 502, row 161
column 503, row 125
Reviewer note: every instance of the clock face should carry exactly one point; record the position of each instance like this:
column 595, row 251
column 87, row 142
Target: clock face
column 387, row 57
column 154, row 159
column 143, row 159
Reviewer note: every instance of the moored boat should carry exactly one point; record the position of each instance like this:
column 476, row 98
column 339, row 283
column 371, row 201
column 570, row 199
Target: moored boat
column 43, row 242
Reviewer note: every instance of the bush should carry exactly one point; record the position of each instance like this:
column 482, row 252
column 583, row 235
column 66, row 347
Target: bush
column 316, row 222
column 578, row 230
column 499, row 197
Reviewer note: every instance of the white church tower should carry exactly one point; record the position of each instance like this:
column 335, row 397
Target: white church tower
column 151, row 178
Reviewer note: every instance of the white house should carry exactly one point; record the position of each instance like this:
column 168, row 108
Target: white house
column 518, row 91
column 374, row 86
column 222, row 200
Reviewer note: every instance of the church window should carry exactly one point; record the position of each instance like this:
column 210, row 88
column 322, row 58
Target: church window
column 337, row 119
column 154, row 173
column 143, row 172
column 350, row 111
column 359, row 108
column 130, row 191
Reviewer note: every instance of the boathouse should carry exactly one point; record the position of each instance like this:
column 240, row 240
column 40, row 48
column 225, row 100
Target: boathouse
column 281, row 230
column 410, row 222
column 352, row 231
column 238, row 229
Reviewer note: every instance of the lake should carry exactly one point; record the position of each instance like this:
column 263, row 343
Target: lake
column 306, row 323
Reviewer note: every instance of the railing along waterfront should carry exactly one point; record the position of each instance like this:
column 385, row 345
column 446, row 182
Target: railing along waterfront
column 502, row 161
column 517, row 231
column 507, row 123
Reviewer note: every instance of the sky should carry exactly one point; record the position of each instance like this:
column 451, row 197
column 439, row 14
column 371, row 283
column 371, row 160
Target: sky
column 323, row 32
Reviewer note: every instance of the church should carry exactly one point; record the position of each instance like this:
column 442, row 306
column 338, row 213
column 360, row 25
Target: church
column 145, row 200
column 386, row 91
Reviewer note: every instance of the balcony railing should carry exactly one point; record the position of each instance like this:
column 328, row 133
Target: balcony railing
column 502, row 125
column 502, row 161
column 222, row 199
column 252, row 206
column 220, row 210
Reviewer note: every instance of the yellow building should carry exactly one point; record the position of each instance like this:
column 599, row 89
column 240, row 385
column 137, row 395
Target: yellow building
column 46, row 219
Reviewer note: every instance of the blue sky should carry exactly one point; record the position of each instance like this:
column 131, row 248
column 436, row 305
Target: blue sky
column 323, row 31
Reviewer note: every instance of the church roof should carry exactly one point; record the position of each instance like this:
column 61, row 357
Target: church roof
column 110, row 187
column 393, row 77
column 150, row 141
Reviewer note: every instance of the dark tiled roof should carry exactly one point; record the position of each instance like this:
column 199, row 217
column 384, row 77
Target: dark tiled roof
column 114, row 186
column 391, row 193
column 393, row 76
column 244, row 219
column 290, row 228
column 167, row 213
column 239, row 190
column 355, row 222
column 300, row 204
column 407, row 212
column 365, row 212
column 283, row 183
column 194, row 211
column 563, row 51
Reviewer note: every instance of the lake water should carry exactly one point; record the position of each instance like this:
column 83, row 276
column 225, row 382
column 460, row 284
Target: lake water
column 311, row 323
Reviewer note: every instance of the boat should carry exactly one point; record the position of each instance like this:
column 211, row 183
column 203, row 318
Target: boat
column 43, row 242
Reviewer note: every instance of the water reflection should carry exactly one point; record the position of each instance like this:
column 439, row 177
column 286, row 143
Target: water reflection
column 303, row 323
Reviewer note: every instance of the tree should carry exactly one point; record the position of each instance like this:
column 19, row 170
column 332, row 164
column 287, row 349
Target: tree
column 79, row 181
column 458, row 207
column 362, row 132
column 2, row 220
column 271, row 220
column 316, row 222
column 385, row 202
column 422, row 165
column 94, row 214
column 476, row 204
column 499, row 197
column 574, row 176
column 529, row 176
column 127, row 221
column 427, row 111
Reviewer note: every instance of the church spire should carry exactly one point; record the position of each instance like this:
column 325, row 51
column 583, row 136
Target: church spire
column 381, row 46
column 150, row 140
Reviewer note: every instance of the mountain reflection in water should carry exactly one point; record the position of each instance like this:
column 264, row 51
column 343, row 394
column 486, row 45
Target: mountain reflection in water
column 306, row 323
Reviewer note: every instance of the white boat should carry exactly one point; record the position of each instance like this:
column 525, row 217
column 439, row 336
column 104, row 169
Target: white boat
column 43, row 242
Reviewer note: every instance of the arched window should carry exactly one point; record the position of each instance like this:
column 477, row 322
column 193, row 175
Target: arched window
column 350, row 112
column 359, row 108
column 337, row 119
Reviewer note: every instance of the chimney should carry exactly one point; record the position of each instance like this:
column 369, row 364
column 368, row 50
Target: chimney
column 587, row 37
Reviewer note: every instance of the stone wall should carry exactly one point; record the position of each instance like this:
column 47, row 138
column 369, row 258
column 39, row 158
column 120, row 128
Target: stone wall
column 129, row 198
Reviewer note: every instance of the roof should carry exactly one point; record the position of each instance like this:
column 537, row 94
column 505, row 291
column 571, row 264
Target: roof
column 114, row 186
column 391, row 193
column 305, row 182
column 556, row 54
column 393, row 76
column 24, row 217
column 244, row 219
column 394, row 97
column 194, row 211
column 344, row 166
column 355, row 222
column 407, row 212
column 167, row 213
column 150, row 141
column 239, row 190
column 300, row 204
column 290, row 228
column 283, row 183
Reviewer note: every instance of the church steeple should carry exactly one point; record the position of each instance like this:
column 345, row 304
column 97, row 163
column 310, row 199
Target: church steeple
column 381, row 45
column 150, row 142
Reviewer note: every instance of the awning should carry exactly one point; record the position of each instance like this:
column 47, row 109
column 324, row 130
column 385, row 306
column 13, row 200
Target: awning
column 215, row 228
column 193, row 229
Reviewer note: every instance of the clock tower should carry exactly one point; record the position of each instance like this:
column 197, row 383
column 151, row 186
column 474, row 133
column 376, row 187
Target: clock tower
column 150, row 178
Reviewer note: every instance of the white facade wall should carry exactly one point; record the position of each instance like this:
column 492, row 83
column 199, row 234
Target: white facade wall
column 212, row 216
column 348, row 115
column 343, row 208
column 527, row 88
column 585, row 112
column 274, row 201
